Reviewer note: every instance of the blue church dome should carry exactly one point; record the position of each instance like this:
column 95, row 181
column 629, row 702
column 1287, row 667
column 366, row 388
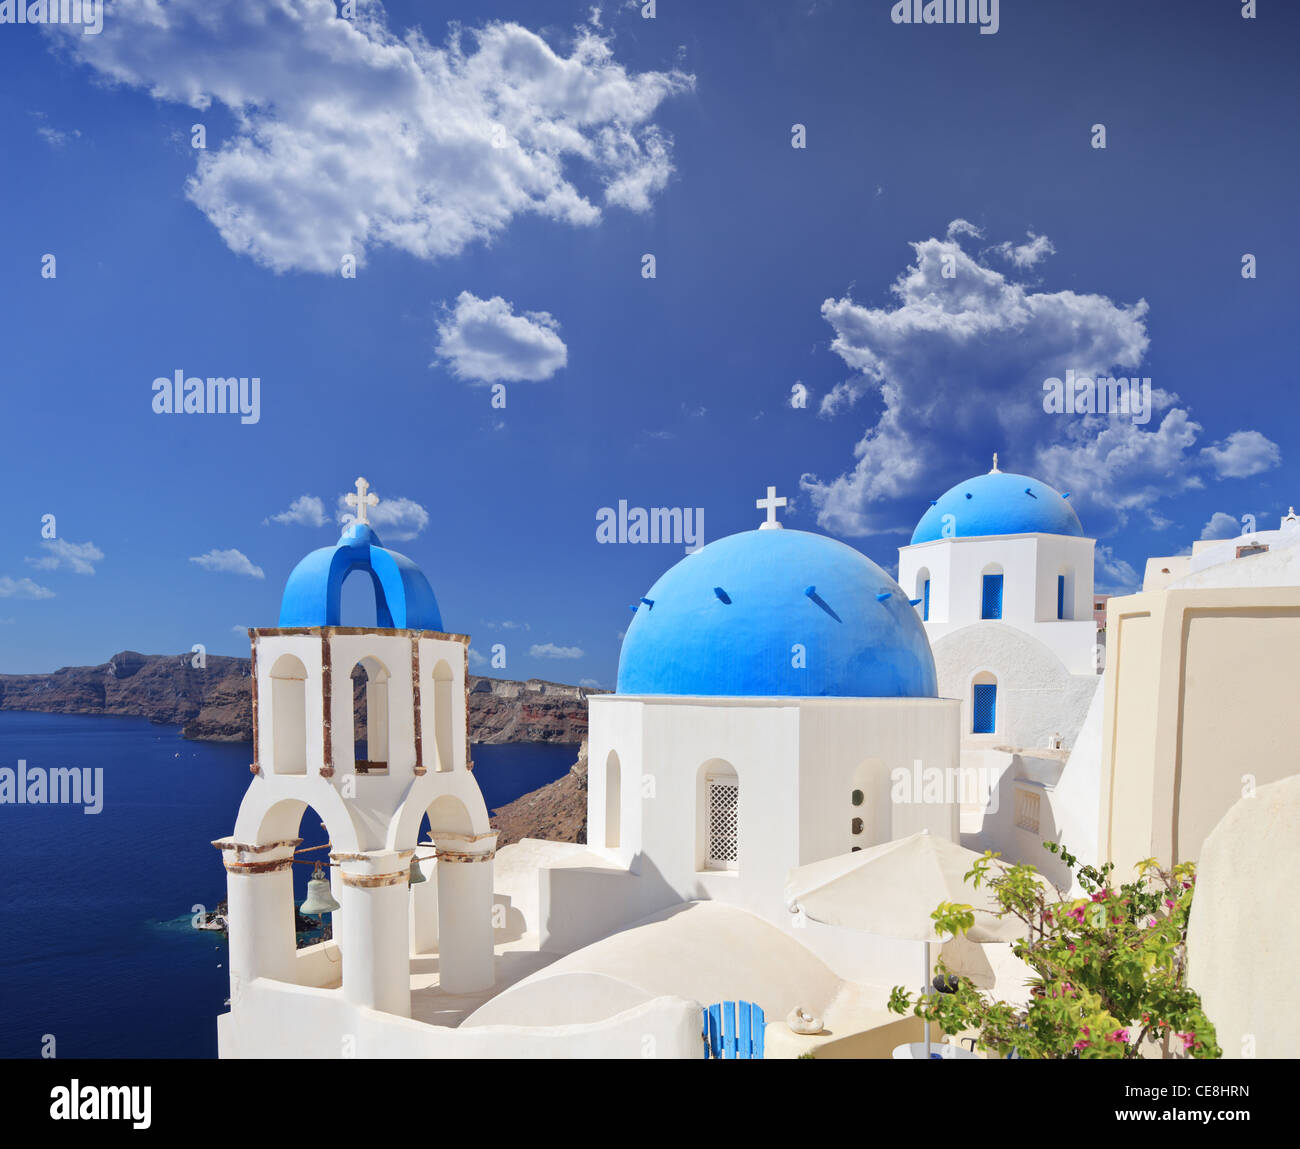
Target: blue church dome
column 726, row 621
column 999, row 503
column 403, row 597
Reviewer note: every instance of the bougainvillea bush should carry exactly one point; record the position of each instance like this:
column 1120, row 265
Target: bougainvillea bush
column 1111, row 967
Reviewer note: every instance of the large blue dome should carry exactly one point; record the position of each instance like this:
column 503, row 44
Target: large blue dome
column 726, row 621
column 998, row 504
column 403, row 597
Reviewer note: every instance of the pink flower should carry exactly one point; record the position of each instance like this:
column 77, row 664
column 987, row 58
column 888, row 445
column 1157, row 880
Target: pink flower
column 1151, row 922
column 1120, row 1035
column 1071, row 946
column 1082, row 1044
column 1169, row 902
column 1189, row 1039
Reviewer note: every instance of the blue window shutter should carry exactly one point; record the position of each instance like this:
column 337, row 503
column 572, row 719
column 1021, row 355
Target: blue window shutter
column 744, row 1037
column 985, row 708
column 715, row 1031
column 1060, row 596
column 760, row 1024
column 992, row 604
column 729, row 1030
column 925, row 602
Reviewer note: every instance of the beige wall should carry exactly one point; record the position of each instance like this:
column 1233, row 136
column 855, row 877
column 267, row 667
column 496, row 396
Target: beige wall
column 1201, row 704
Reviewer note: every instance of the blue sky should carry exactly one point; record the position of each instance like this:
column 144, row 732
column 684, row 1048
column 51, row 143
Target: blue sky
column 499, row 198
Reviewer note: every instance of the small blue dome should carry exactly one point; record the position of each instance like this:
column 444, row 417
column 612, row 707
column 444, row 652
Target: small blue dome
column 726, row 620
column 404, row 599
column 999, row 504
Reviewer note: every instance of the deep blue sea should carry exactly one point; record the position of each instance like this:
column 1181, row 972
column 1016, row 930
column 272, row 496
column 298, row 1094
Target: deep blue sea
column 97, row 948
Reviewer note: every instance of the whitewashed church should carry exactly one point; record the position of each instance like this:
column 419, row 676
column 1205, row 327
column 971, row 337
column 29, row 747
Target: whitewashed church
column 778, row 693
column 1003, row 577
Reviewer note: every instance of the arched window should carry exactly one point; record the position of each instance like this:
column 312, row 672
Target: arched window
column 442, row 681
column 288, row 716
column 1065, row 593
column 984, row 704
column 613, row 800
column 370, row 715
column 991, row 592
column 718, row 816
column 923, row 592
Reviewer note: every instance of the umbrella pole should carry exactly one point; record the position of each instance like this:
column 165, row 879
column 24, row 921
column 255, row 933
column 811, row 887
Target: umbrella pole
column 925, row 986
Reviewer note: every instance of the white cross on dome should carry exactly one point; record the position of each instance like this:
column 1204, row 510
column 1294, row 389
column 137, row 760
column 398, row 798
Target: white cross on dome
column 770, row 505
column 362, row 500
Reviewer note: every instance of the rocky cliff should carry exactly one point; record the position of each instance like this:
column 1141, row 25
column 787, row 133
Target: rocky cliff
column 214, row 703
column 557, row 812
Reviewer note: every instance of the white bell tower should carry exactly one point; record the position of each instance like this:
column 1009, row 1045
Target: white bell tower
column 371, row 773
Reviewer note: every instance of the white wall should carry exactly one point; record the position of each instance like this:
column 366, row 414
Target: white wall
column 275, row 1020
column 1030, row 565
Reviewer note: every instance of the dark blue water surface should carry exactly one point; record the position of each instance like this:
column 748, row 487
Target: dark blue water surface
column 96, row 943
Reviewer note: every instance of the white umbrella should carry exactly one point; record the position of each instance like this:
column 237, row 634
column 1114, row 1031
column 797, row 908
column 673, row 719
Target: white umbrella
column 892, row 890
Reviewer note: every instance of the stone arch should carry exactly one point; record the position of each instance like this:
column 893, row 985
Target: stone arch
column 288, row 716
column 717, row 816
column 264, row 893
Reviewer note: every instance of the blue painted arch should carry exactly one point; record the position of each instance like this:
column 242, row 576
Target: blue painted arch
column 781, row 589
column 403, row 597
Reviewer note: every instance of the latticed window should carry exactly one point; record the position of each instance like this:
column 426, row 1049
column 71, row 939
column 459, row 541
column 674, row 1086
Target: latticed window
column 991, row 604
column 724, row 809
column 984, row 705
column 1028, row 810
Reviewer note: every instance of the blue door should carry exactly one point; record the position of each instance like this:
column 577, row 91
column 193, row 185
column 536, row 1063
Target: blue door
column 925, row 602
column 1060, row 596
column 734, row 1030
column 985, row 708
column 992, row 604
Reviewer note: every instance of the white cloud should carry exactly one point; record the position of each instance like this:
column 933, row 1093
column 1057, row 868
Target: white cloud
column 507, row 624
column 550, row 650
column 22, row 588
column 484, row 341
column 1221, row 526
column 476, row 659
column 1113, row 575
column 80, row 558
column 1023, row 255
column 305, row 510
column 1241, row 454
column 347, row 137
column 590, row 683
column 397, row 518
column 959, row 361
column 960, row 227
column 241, row 630
column 841, row 397
column 228, row 562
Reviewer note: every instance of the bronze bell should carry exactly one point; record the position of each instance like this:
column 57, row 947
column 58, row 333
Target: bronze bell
column 319, row 899
column 417, row 875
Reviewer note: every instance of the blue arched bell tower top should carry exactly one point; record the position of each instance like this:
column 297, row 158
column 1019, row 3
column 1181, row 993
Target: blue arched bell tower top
column 404, row 600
